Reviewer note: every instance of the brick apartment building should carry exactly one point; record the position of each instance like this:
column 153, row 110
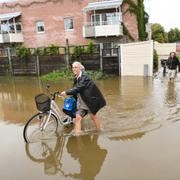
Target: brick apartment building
column 39, row 23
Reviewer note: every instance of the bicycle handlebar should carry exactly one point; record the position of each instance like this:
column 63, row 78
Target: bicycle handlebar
column 53, row 94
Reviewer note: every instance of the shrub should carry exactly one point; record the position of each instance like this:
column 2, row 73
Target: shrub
column 155, row 60
column 90, row 48
column 67, row 74
column 78, row 50
column 22, row 52
column 51, row 50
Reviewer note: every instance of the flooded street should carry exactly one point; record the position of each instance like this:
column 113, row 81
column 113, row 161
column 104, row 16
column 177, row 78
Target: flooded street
column 140, row 139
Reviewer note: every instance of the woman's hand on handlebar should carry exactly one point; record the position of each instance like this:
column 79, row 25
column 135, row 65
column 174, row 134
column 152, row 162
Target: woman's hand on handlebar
column 63, row 93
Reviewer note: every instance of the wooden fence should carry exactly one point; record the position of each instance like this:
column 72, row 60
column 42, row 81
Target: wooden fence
column 40, row 65
column 4, row 66
column 24, row 66
column 90, row 61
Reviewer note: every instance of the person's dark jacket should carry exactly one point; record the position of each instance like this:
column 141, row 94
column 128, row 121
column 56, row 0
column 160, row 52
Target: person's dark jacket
column 173, row 63
column 89, row 92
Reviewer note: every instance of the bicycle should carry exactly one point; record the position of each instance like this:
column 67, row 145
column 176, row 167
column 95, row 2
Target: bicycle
column 45, row 123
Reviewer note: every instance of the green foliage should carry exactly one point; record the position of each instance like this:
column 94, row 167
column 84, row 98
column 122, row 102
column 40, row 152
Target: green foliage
column 39, row 51
column 174, row 35
column 57, row 75
column 78, row 50
column 158, row 33
column 141, row 16
column 67, row 74
column 51, row 50
column 22, row 52
column 96, row 75
column 155, row 60
column 90, row 48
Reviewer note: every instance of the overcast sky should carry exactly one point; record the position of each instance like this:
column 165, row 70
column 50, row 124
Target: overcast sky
column 165, row 12
column 5, row 0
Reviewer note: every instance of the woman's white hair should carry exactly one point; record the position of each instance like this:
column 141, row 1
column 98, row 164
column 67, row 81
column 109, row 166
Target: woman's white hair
column 82, row 68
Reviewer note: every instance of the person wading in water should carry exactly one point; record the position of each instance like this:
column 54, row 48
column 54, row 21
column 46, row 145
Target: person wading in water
column 89, row 98
column 172, row 64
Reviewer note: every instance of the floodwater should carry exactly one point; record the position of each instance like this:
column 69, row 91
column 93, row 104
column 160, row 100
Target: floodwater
column 140, row 139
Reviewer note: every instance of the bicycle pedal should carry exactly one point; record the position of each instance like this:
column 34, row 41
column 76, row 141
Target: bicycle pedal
column 67, row 121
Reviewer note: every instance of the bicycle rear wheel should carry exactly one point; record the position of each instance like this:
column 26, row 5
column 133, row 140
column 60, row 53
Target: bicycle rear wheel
column 34, row 131
column 40, row 151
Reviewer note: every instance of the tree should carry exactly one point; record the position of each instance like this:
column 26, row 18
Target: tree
column 137, row 8
column 158, row 33
column 174, row 35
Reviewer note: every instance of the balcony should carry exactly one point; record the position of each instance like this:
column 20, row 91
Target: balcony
column 10, row 28
column 102, row 19
column 11, row 33
column 11, row 38
column 103, row 29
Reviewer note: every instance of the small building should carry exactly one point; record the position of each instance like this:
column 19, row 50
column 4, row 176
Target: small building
column 39, row 23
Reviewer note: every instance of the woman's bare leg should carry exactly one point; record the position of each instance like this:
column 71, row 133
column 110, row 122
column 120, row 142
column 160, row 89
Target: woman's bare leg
column 78, row 124
column 96, row 121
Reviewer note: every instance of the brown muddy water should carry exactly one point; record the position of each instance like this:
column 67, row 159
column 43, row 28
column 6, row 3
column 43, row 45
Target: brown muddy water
column 140, row 139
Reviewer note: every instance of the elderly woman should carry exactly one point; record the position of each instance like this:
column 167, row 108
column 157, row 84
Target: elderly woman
column 90, row 100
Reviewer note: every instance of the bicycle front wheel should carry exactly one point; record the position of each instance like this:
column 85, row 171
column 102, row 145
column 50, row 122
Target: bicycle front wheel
column 40, row 126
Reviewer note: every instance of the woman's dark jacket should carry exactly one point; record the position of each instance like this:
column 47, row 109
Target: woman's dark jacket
column 172, row 63
column 89, row 92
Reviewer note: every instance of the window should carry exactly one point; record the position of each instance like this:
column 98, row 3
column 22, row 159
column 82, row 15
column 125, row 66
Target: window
column 95, row 19
column 110, row 18
column 68, row 23
column 4, row 27
column 18, row 27
column 40, row 26
column 110, row 49
column 105, row 19
column 11, row 28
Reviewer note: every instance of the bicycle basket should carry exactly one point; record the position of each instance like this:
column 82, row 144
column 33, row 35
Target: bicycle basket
column 43, row 102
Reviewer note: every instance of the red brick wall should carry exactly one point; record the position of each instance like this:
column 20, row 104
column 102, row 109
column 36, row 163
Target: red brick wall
column 130, row 22
column 53, row 12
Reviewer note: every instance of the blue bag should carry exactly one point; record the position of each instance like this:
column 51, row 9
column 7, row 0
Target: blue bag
column 70, row 106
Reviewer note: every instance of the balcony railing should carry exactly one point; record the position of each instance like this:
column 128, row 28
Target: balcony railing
column 102, row 28
column 11, row 38
column 10, row 33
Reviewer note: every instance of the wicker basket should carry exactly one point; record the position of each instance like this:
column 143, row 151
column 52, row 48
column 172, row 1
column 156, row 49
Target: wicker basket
column 43, row 102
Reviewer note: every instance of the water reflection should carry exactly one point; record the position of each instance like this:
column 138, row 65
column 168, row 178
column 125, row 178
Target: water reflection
column 90, row 155
column 128, row 110
column 136, row 110
column 171, row 94
column 173, row 102
column 48, row 153
column 134, row 104
column 84, row 148
column 16, row 97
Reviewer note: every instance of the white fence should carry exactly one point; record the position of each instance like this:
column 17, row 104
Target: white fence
column 137, row 59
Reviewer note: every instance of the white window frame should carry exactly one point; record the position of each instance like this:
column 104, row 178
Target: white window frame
column 95, row 23
column 101, row 22
column 66, row 21
column 41, row 23
column 112, row 45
